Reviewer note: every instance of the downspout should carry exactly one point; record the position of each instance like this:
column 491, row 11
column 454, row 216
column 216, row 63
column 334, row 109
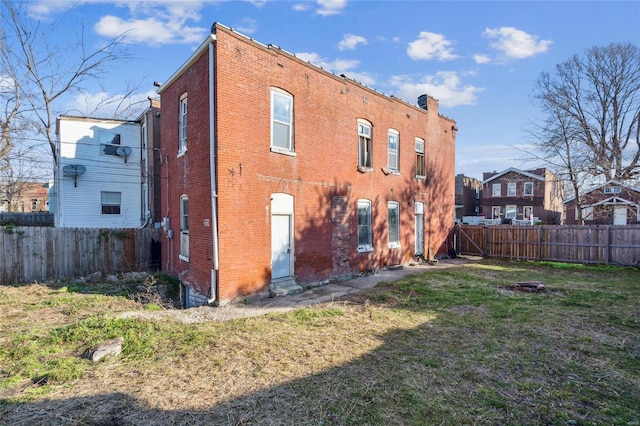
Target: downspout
column 212, row 162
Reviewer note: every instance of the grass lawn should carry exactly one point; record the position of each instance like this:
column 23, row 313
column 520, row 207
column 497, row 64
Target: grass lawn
column 448, row 347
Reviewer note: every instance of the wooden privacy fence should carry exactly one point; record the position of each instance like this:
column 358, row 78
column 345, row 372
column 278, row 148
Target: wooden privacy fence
column 39, row 253
column 594, row 244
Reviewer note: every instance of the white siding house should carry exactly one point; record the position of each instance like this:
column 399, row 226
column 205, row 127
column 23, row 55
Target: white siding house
column 98, row 178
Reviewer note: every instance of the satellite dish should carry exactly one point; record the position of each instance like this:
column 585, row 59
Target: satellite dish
column 123, row 151
column 74, row 170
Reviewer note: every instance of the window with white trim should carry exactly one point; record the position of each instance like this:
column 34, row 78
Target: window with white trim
column 394, row 224
column 109, row 142
column 184, row 227
column 496, row 190
column 281, row 121
column 364, row 226
column 111, row 202
column 182, row 125
column 393, row 150
column 527, row 212
column 365, row 146
column 528, row 189
column 420, row 168
column 510, row 211
column 511, row 189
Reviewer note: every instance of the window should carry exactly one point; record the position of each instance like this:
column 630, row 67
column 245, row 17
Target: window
column 364, row 226
column 394, row 224
column 511, row 189
column 281, row 121
column 109, row 142
column 394, row 141
column 111, row 202
column 495, row 212
column 182, row 138
column 184, row 227
column 496, row 190
column 528, row 189
column 612, row 190
column 527, row 212
column 420, row 170
column 34, row 204
column 365, row 147
column 510, row 212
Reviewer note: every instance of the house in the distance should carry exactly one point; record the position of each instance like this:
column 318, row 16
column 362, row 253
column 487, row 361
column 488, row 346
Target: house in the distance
column 522, row 195
column 24, row 197
column 281, row 174
column 612, row 203
column 468, row 197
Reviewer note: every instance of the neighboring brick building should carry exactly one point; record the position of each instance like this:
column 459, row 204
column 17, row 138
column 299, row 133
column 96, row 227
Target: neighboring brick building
column 24, row 197
column 612, row 203
column 521, row 194
column 468, row 196
column 314, row 176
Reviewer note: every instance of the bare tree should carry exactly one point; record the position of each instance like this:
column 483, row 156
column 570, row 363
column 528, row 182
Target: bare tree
column 45, row 73
column 592, row 105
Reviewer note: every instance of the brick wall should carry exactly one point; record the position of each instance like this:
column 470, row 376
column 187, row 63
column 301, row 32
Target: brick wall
column 322, row 176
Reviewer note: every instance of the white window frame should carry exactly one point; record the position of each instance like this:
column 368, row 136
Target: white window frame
column 512, row 189
column 393, row 207
column 496, row 190
column 281, row 120
column 182, row 125
column 527, row 185
column 365, row 244
column 420, row 159
column 109, row 142
column 612, row 190
column 365, row 145
column 510, row 211
column 393, row 151
column 110, row 199
column 184, row 227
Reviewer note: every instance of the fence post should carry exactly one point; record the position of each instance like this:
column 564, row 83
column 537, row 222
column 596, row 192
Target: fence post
column 539, row 243
column 486, row 241
column 608, row 245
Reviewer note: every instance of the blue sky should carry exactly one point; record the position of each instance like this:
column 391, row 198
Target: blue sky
column 478, row 58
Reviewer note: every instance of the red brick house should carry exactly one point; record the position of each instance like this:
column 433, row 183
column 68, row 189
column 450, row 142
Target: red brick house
column 522, row 194
column 612, row 203
column 281, row 174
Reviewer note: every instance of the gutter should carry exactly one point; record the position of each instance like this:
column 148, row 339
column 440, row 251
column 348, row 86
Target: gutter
column 213, row 172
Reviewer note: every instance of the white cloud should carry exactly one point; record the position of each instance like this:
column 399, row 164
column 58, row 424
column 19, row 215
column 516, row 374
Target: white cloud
column 331, row 7
column 431, row 46
column 481, row 59
column 103, row 104
column 351, row 41
column 339, row 66
column 153, row 31
column 515, row 43
column 247, row 26
column 300, row 7
column 7, row 84
column 446, row 86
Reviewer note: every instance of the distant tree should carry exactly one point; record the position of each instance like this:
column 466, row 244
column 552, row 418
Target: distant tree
column 592, row 123
column 42, row 74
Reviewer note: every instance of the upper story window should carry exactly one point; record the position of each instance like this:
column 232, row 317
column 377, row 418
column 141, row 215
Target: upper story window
column 613, row 190
column 109, row 142
column 365, row 146
column 528, row 189
column 364, row 226
column 511, row 189
column 182, row 132
column 281, row 121
column 496, row 190
column 111, row 202
column 420, row 169
column 394, row 145
column 394, row 224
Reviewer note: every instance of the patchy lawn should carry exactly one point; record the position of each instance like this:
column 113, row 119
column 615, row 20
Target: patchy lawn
column 454, row 346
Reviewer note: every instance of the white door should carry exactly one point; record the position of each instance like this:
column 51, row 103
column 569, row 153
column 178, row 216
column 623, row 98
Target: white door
column 620, row 216
column 280, row 246
column 419, row 237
